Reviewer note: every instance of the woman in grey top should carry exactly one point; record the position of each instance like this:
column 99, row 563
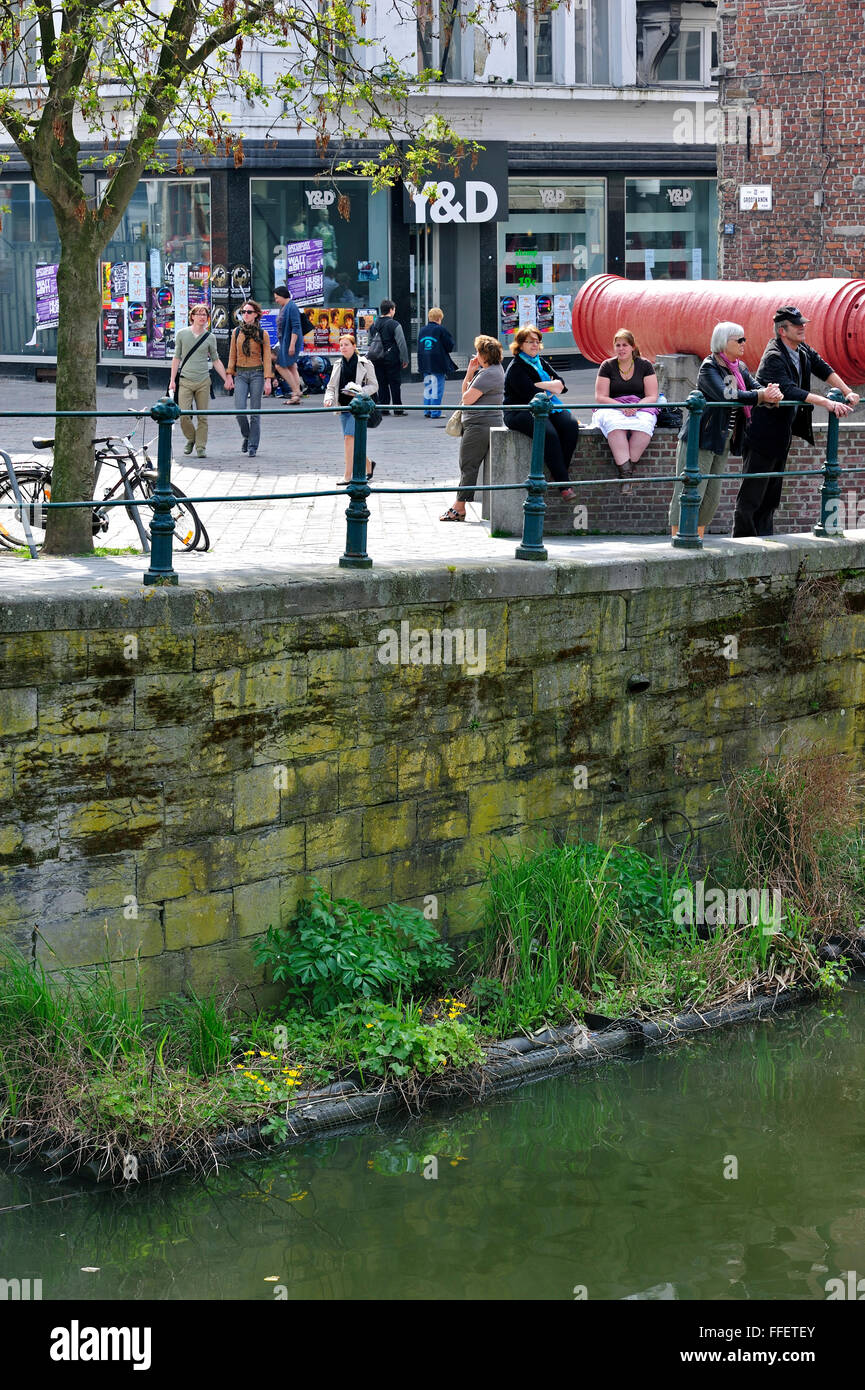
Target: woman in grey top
column 483, row 384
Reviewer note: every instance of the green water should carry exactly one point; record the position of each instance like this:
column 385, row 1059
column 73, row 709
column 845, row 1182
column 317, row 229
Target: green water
column 611, row 1178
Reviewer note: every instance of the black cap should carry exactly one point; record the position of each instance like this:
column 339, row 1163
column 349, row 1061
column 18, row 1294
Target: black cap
column 788, row 313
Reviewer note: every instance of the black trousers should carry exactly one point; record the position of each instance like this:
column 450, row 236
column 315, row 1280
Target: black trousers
column 388, row 377
column 560, row 438
column 758, row 498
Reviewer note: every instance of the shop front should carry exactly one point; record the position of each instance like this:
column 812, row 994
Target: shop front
column 671, row 229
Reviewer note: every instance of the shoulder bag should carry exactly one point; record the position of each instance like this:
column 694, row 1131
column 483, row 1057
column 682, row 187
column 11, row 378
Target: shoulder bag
column 454, row 426
column 203, row 339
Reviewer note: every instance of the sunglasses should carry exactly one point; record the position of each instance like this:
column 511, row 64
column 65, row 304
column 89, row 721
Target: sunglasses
column 741, row 340
column 247, row 312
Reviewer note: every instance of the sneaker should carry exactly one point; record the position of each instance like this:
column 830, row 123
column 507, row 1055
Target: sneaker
column 244, row 446
column 251, row 453
column 201, row 452
column 399, row 412
column 188, row 447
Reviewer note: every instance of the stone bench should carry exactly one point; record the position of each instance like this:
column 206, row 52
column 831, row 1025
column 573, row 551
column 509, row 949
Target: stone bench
column 644, row 510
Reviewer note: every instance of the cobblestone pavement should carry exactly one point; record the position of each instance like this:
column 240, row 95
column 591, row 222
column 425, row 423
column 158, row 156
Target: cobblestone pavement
column 299, row 452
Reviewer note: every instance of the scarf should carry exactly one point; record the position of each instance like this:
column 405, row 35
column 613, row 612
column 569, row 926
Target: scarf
column 253, row 334
column 544, row 375
column 347, row 373
column 740, row 380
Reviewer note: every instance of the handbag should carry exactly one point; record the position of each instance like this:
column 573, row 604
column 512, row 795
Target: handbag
column 454, row 426
column 374, row 418
column 669, row 418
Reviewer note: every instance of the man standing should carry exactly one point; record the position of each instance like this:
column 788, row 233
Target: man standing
column 290, row 334
column 434, row 347
column 195, row 349
column 387, row 369
column 789, row 361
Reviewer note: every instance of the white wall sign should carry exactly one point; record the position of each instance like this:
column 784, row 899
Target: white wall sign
column 755, row 197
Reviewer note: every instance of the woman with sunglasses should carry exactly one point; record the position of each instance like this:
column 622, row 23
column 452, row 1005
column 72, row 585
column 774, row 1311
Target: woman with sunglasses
column 722, row 377
column 249, row 371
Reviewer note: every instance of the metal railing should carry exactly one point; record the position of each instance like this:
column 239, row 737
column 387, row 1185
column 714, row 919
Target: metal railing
column 165, row 412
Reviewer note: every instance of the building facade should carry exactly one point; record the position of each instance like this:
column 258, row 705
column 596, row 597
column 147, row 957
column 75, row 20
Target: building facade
column 580, row 110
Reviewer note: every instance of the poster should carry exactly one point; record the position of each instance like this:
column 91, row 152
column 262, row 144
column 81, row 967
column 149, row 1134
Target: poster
column 219, row 325
column 546, row 270
column 697, row 263
column 137, row 283
column 219, row 282
column 328, row 324
column 649, row 261
column 544, row 313
column 279, row 265
column 199, row 284
column 47, row 302
column 268, row 323
column 526, row 266
column 305, row 269
column 118, row 279
column 508, row 319
column 241, row 281
column 106, row 284
column 562, row 313
column 181, row 293
column 112, row 330
column 135, row 330
column 526, row 308
column 367, row 270
column 155, row 268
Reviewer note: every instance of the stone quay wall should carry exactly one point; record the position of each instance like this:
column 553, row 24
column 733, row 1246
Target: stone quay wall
column 178, row 765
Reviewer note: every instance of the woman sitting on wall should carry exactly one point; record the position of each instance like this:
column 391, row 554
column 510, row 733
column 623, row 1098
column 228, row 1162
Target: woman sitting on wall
column 527, row 375
column 630, row 378
column 722, row 377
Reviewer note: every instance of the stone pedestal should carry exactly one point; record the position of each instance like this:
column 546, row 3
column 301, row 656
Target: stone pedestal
column 677, row 374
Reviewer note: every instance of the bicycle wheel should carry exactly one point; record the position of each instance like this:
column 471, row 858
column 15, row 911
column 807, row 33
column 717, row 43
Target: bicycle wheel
column 188, row 530
column 35, row 487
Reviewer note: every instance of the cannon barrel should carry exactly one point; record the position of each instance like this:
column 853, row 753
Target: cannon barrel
column 671, row 316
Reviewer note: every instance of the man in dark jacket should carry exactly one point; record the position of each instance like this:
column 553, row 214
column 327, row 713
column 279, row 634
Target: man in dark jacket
column 434, row 347
column 789, row 361
column 387, row 368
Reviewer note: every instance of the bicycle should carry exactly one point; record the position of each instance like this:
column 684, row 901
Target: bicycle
column 137, row 479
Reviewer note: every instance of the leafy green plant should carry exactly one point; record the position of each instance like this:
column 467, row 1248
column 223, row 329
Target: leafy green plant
column 335, row 950
column 394, row 1039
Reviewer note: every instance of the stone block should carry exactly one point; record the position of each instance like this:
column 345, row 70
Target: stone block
column 176, row 872
column 17, row 712
column 264, row 853
column 256, row 797
column 93, row 938
column 172, row 698
column 332, row 838
column 367, row 881
column 561, row 686
column 58, row 891
column 307, row 788
column 443, row 818
column 367, row 776
column 138, row 650
column 86, row 706
column 198, row 919
column 389, row 827
column 60, row 766
column 222, row 968
column 276, row 684
column 257, row 906
column 30, row 657
column 111, row 825
column 419, row 768
column 198, row 807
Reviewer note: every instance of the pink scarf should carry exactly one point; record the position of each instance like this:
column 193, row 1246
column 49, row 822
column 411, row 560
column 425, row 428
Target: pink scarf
column 737, row 373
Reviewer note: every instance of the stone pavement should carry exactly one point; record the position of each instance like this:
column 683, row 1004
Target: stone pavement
column 299, row 452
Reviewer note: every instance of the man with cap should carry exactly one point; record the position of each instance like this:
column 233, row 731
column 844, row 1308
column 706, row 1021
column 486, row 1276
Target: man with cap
column 789, row 361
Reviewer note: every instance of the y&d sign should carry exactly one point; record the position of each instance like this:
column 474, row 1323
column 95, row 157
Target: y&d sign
column 475, row 194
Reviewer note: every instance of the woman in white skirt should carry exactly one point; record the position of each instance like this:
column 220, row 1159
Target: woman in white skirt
column 626, row 377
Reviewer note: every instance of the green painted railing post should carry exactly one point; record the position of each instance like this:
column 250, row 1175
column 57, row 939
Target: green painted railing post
column 357, row 514
column 161, row 570
column 829, row 524
column 689, row 498
column 534, row 507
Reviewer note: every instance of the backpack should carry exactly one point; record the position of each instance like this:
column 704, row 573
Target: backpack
column 376, row 350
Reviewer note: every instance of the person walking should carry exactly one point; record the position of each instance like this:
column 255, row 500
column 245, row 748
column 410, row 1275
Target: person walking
column 290, row 335
column 722, row 377
column 351, row 375
column 195, row 350
column 434, row 348
column 250, row 368
column 790, row 362
column 388, row 367
column 483, row 385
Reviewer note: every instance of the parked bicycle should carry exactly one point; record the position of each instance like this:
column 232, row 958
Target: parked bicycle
column 137, row 480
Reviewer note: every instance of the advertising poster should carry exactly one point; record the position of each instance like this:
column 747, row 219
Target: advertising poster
column 328, row 324
column 219, row 325
column 363, row 322
column 47, row 302
column 106, row 284
column 649, row 261
column 155, row 268
column 526, row 308
column 137, row 289
column 219, row 282
column 118, row 279
column 136, row 330
column 241, row 281
column 547, row 270
column 268, row 323
column 508, row 319
column 305, row 271
column 544, row 313
column 697, row 263
column 367, row 270
column 562, row 313
column 199, row 284
column 112, row 330
column 181, row 293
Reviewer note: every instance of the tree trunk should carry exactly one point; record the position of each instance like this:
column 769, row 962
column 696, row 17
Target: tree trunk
column 71, row 532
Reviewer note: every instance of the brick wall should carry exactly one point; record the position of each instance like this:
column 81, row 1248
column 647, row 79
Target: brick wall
column 800, row 69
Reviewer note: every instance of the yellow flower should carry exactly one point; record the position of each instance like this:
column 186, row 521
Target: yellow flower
column 267, row 1088
column 251, row 1074
column 249, row 1054
column 370, row 1025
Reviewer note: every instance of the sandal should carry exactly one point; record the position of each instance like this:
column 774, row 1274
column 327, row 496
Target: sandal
column 452, row 515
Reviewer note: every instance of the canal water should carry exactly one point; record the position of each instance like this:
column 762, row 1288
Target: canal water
column 728, row 1167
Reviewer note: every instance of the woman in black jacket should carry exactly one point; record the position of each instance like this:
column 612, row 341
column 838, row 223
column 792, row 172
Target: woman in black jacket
column 722, row 377
column 528, row 375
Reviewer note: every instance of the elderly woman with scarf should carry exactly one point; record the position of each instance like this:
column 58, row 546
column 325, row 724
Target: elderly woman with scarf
column 250, row 369
column 529, row 375
column 722, row 377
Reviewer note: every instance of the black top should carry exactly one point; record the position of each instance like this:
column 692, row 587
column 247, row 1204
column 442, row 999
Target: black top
column 770, row 430
column 717, row 383
column 521, row 381
column 626, row 386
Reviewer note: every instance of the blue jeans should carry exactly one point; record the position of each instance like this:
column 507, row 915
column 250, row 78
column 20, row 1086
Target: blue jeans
column 249, row 386
column 433, row 390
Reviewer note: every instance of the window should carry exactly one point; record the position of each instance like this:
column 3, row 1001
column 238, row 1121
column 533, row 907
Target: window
column 534, row 43
column 28, row 238
column 440, row 38
column 671, row 228
column 23, row 65
column 592, row 43
column 689, row 58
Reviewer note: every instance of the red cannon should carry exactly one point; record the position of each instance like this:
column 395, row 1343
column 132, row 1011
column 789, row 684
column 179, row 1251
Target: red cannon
column 669, row 316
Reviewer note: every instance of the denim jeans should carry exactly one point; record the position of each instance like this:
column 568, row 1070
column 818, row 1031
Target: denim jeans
column 433, row 390
column 249, row 386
